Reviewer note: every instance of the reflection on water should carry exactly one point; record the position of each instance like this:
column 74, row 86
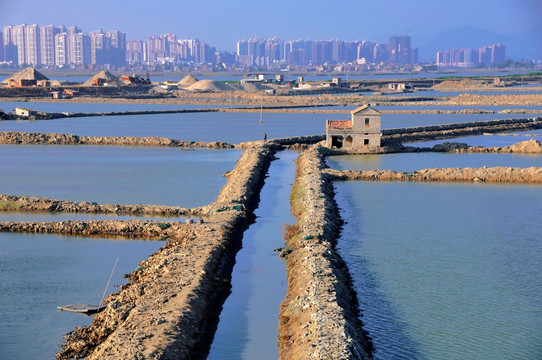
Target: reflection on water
column 445, row 271
column 424, row 160
column 228, row 127
column 115, row 175
column 40, row 272
column 249, row 321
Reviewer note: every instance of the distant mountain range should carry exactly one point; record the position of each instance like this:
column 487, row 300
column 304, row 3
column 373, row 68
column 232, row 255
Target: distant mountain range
column 518, row 46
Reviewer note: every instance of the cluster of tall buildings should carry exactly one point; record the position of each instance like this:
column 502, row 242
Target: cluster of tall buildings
column 486, row 55
column 52, row 46
column 265, row 52
column 168, row 49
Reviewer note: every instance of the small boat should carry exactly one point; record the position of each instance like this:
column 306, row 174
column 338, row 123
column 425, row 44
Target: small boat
column 82, row 308
column 89, row 309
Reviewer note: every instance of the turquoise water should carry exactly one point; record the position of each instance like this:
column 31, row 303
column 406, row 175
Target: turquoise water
column 446, row 271
column 40, row 272
column 249, row 321
column 115, row 175
column 418, row 161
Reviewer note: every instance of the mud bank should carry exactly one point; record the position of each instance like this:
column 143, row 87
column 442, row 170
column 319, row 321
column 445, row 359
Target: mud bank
column 11, row 137
column 484, row 100
column 39, row 204
column 532, row 175
column 319, row 317
column 169, row 309
column 49, row 116
column 279, row 143
column 524, row 147
column 447, row 131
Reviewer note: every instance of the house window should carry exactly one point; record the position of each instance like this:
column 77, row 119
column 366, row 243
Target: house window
column 365, row 141
column 367, row 122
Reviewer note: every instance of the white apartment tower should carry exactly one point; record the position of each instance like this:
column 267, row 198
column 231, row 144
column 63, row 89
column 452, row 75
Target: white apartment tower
column 32, row 44
column 61, row 49
column 18, row 39
column 47, row 44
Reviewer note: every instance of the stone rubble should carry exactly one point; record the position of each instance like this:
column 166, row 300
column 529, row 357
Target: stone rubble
column 319, row 318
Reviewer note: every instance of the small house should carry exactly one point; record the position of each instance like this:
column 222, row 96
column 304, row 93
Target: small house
column 24, row 112
column 361, row 131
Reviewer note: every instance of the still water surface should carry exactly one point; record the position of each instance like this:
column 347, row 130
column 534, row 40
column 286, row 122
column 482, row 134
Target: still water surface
column 424, row 160
column 115, row 175
column 228, row 127
column 42, row 271
column 249, row 321
column 446, row 271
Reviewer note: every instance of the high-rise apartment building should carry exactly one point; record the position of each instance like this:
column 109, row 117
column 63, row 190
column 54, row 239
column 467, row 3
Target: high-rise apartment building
column 117, row 41
column 498, row 53
column 18, row 38
column 100, row 48
column 10, row 50
column 136, row 51
column 2, row 52
column 61, row 49
column 47, row 44
column 78, row 49
column 399, row 50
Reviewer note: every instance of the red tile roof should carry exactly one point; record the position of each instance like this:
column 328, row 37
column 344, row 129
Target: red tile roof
column 339, row 124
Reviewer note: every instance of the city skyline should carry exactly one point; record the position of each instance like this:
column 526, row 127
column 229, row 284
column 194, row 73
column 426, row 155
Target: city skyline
column 224, row 23
column 60, row 46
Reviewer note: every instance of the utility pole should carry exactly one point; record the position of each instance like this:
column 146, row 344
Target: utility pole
column 261, row 108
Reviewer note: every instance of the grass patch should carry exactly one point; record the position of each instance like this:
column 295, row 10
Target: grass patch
column 9, row 205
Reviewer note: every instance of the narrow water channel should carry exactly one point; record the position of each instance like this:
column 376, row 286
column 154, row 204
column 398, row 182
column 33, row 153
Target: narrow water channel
column 249, row 320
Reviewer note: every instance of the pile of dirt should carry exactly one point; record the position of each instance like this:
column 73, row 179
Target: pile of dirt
column 457, row 84
column 209, row 86
column 527, row 147
column 251, row 87
column 105, row 77
column 27, row 74
column 187, row 81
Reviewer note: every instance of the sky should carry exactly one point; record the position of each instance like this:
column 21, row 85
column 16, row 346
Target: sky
column 222, row 23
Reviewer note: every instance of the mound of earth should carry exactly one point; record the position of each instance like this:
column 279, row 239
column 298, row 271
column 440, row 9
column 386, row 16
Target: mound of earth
column 27, row 74
column 251, row 87
column 457, row 84
column 104, row 76
column 528, row 147
column 187, row 81
column 209, row 86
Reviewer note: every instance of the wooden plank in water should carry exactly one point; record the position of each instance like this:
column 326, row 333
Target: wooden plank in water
column 82, row 308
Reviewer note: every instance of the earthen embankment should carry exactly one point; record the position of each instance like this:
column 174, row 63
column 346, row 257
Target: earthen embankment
column 523, row 147
column 532, row 175
column 447, row 131
column 11, row 137
column 319, row 317
column 39, row 204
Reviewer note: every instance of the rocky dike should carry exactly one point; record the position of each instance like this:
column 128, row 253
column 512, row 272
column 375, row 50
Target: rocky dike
column 447, row 131
column 13, row 137
column 39, row 204
column 532, row 175
column 319, row 318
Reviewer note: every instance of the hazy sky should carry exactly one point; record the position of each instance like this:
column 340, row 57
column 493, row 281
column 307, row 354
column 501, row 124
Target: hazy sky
column 222, row 23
